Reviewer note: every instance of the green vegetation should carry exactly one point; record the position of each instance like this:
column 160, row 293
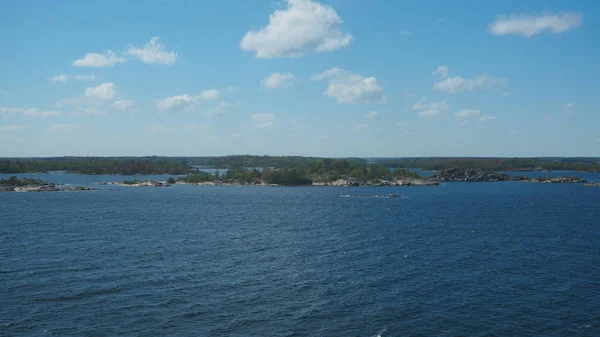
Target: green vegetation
column 97, row 165
column 496, row 164
column 351, row 167
column 131, row 182
column 16, row 182
column 323, row 170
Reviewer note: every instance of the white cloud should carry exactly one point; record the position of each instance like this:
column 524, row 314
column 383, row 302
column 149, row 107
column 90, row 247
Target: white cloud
column 465, row 123
column 59, row 78
column 441, row 71
column 569, row 109
column 104, row 92
column 304, row 26
column 236, row 136
column 64, row 78
column 349, row 87
column 513, row 132
column 221, row 109
column 459, row 84
column 528, row 25
column 465, row 113
column 34, row 112
column 125, row 105
column 175, row 103
column 278, row 80
column 430, row 109
column 372, row 114
column 153, row 52
column 96, row 60
column 487, row 118
column 231, row 88
column 263, row 117
column 208, row 95
column 87, row 111
column 63, row 127
column 12, row 127
column 506, row 94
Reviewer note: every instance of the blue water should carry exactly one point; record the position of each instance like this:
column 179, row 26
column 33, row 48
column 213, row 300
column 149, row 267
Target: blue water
column 487, row 259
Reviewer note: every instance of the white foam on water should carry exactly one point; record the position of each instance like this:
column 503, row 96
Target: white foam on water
column 380, row 333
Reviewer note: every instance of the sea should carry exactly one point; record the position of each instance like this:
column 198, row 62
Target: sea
column 460, row 259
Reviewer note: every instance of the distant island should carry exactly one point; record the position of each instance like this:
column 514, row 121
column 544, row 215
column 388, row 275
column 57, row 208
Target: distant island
column 294, row 171
column 184, row 165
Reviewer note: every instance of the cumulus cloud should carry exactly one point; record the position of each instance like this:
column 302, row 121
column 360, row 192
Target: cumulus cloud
column 465, row 113
column 104, row 92
column 64, row 78
column 430, row 109
column 125, row 105
column 441, row 71
column 34, row 112
column 278, row 80
column 63, row 128
column 528, row 25
column 96, row 60
column 458, row 84
column 176, row 103
column 487, row 118
column 372, row 114
column 569, row 109
column 349, row 87
column 220, row 109
column 304, row 26
column 153, row 52
column 208, row 95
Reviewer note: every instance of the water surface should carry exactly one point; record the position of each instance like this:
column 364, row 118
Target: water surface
column 476, row 259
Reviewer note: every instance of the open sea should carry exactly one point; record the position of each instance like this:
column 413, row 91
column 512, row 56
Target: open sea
column 460, row 259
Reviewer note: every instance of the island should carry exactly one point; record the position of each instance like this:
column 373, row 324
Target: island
column 294, row 171
column 14, row 184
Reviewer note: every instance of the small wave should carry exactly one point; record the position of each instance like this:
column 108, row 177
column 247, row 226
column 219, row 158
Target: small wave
column 380, row 333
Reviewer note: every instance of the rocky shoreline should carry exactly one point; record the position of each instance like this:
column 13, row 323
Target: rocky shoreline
column 448, row 175
column 45, row 188
column 473, row 175
column 145, row 183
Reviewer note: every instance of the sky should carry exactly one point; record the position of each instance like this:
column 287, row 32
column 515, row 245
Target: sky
column 333, row 78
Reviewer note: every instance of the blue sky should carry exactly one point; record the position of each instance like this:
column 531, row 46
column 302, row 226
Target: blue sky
column 328, row 78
